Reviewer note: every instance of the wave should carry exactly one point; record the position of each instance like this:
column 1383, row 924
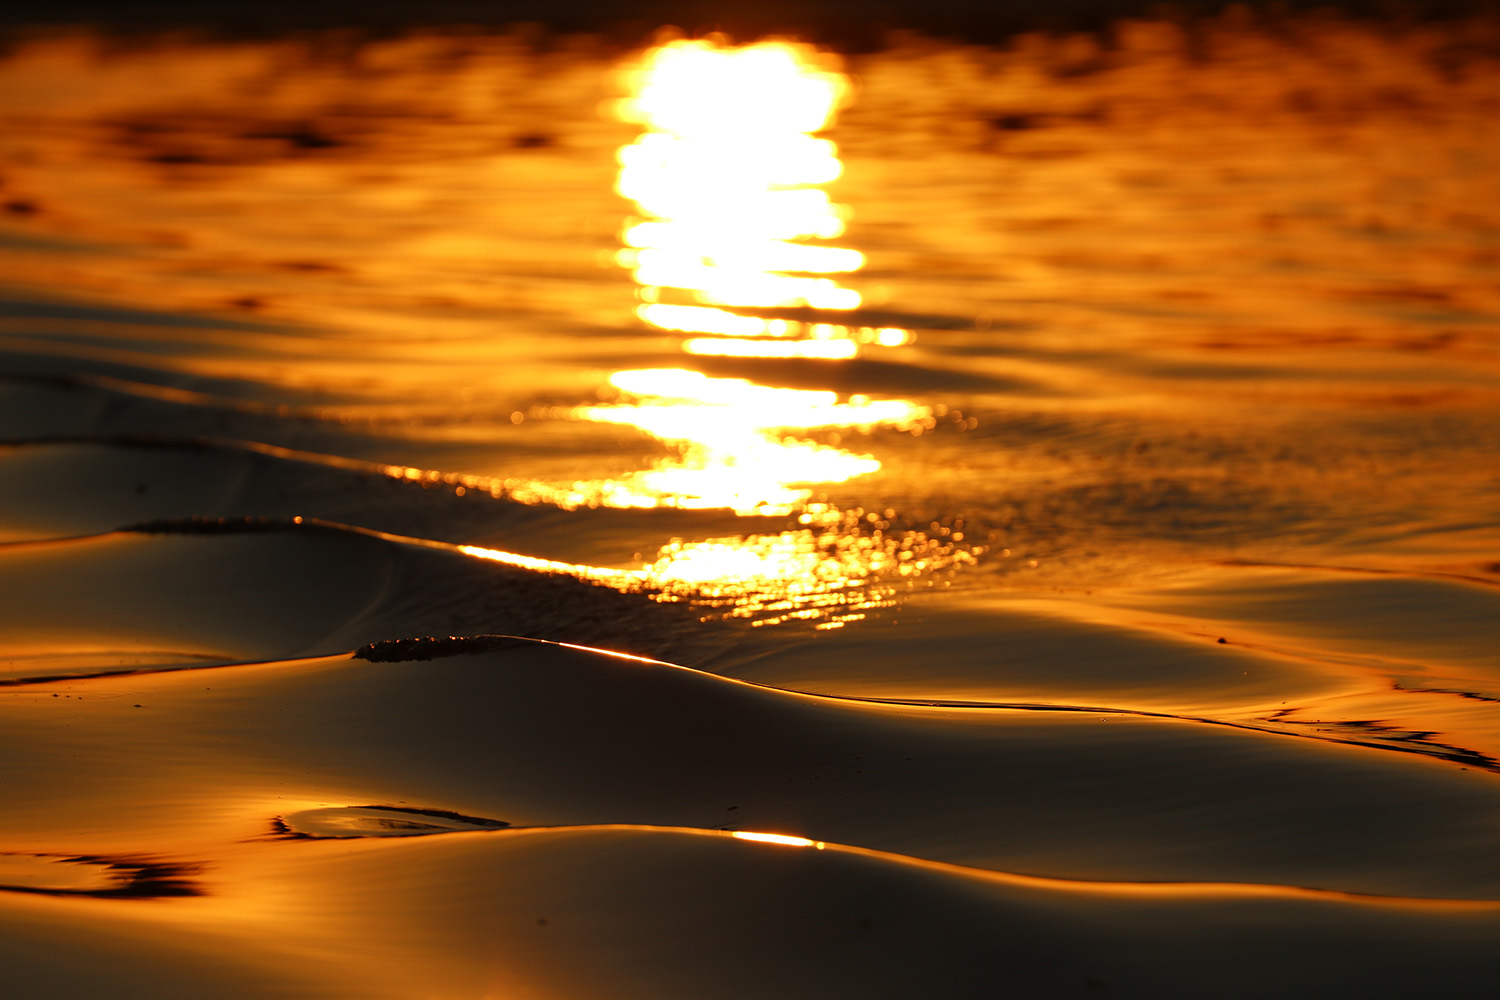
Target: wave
column 551, row 734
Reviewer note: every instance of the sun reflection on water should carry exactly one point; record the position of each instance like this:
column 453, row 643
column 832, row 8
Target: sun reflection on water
column 732, row 449
column 828, row 576
column 831, row 575
column 726, row 180
column 778, row 838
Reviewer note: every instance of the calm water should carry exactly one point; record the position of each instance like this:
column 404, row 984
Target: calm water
column 1158, row 380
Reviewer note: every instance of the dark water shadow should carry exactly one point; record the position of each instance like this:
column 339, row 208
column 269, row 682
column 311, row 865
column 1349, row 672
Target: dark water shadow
column 112, row 877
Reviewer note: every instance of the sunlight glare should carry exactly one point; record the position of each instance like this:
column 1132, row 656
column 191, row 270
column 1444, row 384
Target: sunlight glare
column 835, row 350
column 732, row 452
column 778, row 838
column 728, row 180
column 726, row 185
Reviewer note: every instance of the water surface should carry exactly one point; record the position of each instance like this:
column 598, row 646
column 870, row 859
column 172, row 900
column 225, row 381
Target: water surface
column 1060, row 476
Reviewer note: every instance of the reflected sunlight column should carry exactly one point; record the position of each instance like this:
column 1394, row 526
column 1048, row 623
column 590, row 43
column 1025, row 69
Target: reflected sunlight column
column 729, row 248
column 729, row 180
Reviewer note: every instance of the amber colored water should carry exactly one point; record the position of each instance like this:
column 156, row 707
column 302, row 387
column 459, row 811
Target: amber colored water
column 1062, row 475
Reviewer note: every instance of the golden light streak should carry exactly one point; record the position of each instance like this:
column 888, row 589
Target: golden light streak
column 733, row 449
column 778, row 838
column 702, row 319
column 770, row 255
column 698, row 88
column 826, row 577
column 740, row 402
column 620, row 579
column 737, row 286
column 727, row 177
column 829, row 577
column 833, row 350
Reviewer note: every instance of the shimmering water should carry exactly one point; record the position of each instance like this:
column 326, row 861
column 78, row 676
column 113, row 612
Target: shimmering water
column 1153, row 383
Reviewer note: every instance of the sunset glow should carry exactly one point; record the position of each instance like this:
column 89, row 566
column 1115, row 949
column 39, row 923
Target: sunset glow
column 777, row 838
column 731, row 434
column 551, row 513
column 830, row 575
column 728, row 183
column 833, row 574
column 745, row 348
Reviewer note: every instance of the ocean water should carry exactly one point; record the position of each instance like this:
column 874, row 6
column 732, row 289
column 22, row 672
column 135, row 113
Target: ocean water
column 1061, row 475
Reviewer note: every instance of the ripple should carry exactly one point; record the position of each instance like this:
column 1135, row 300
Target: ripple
column 378, row 821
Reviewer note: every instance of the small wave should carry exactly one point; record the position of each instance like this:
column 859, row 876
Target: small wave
column 336, row 822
